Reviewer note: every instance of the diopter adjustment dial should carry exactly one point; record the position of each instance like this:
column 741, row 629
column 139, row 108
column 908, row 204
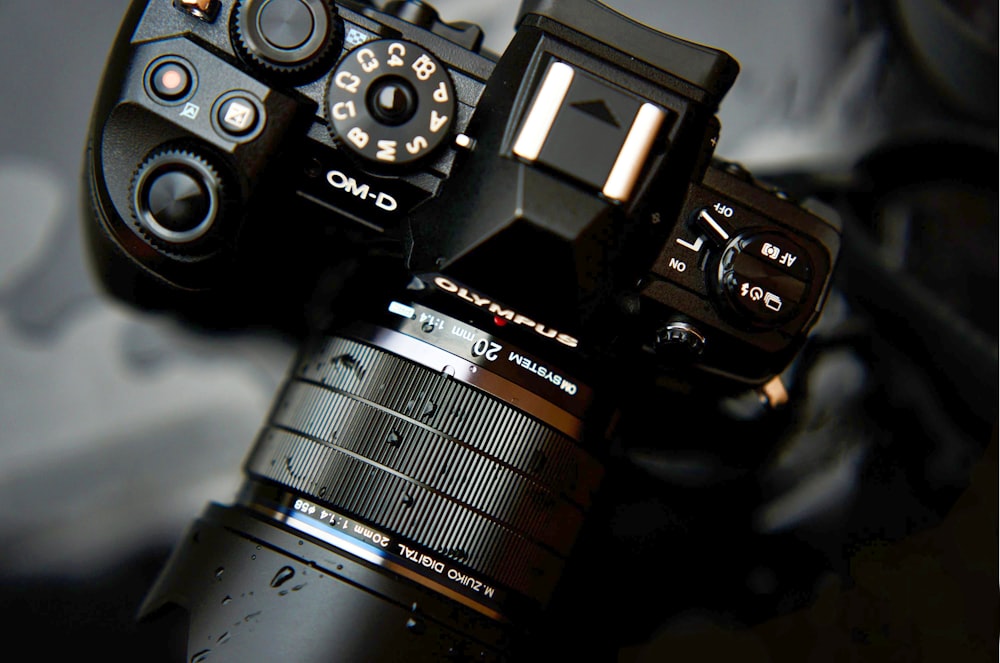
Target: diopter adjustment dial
column 286, row 37
column 177, row 201
column 390, row 102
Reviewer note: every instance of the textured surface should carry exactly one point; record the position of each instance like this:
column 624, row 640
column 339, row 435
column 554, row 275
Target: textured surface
column 116, row 428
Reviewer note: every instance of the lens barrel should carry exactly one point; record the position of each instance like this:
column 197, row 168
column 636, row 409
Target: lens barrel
column 441, row 494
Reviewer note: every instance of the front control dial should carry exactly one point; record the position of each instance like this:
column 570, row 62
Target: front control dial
column 177, row 199
column 390, row 102
column 286, row 37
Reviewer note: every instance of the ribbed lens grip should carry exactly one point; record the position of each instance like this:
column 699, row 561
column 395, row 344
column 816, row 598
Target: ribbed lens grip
column 431, row 459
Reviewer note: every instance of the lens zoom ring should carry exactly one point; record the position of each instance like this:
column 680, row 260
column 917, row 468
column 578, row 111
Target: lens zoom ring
column 495, row 428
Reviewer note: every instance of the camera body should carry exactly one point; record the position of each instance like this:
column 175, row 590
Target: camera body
column 690, row 260
column 547, row 227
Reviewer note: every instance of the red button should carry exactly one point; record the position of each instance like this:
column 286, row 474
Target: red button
column 171, row 81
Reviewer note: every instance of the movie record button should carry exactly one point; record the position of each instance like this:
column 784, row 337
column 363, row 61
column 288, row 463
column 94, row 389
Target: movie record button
column 170, row 80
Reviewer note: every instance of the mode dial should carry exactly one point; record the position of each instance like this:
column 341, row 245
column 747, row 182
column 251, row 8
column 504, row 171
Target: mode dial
column 390, row 102
column 291, row 37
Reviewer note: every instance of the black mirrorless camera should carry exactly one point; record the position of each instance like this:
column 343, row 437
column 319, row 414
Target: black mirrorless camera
column 486, row 254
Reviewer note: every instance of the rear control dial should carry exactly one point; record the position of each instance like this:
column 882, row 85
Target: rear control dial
column 391, row 102
column 285, row 36
column 177, row 198
column 765, row 276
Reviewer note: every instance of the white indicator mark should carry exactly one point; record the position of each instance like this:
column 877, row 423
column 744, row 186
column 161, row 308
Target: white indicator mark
column 707, row 218
column 696, row 247
column 402, row 310
column 543, row 111
column 632, row 157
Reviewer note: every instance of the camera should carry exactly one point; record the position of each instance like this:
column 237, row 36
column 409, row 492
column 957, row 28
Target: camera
column 485, row 256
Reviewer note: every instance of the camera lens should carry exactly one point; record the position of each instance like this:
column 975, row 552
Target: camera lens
column 392, row 101
column 441, row 491
column 432, row 463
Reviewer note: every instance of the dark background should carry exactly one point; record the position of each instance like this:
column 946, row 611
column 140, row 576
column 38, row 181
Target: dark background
column 858, row 524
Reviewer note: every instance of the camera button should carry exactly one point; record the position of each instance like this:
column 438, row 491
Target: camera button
column 238, row 116
column 170, row 81
column 286, row 37
column 285, row 24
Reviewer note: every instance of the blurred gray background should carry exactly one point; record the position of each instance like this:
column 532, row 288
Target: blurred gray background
column 116, row 427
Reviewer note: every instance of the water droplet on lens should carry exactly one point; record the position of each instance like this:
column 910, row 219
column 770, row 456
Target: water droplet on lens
column 253, row 557
column 428, row 328
column 252, row 615
column 351, row 364
column 449, row 371
column 394, row 439
column 224, row 638
column 283, row 592
column 322, row 491
column 408, row 501
column 298, row 587
column 415, row 625
column 430, row 409
column 201, row 656
column 473, row 369
column 283, row 575
column 340, row 567
column 227, row 600
column 218, row 572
